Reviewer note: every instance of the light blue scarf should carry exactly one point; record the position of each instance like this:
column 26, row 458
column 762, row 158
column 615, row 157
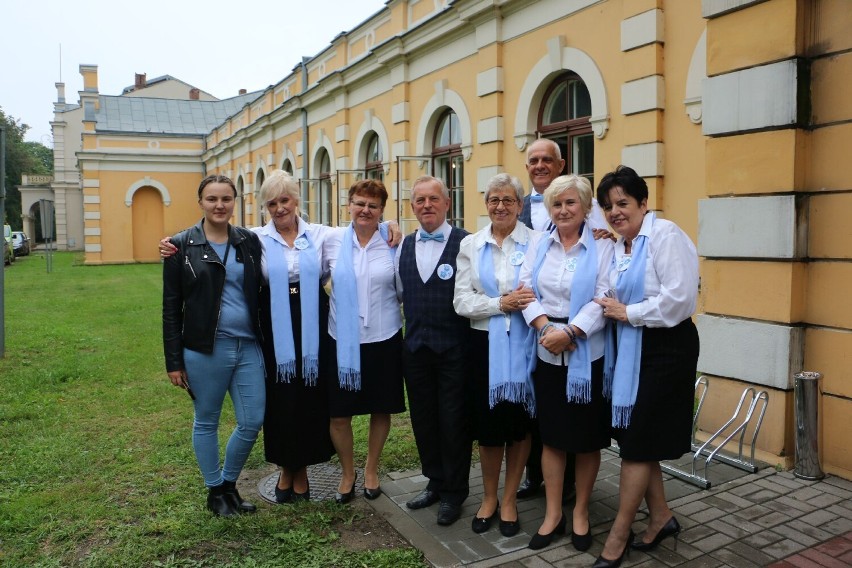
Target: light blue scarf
column 282, row 326
column 579, row 383
column 623, row 349
column 508, row 378
column 347, row 313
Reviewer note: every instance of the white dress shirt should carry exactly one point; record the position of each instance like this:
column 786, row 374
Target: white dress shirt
column 671, row 276
column 540, row 216
column 318, row 235
column 378, row 307
column 426, row 253
column 470, row 299
column 554, row 286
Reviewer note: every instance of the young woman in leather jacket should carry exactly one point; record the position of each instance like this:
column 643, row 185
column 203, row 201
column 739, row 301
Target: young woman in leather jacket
column 211, row 335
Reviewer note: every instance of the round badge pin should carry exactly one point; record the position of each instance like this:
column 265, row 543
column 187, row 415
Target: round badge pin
column 623, row 263
column 571, row 264
column 301, row 243
column 445, row 272
column 517, row 258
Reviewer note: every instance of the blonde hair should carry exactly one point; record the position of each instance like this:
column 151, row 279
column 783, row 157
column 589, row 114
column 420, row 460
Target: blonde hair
column 278, row 183
column 571, row 181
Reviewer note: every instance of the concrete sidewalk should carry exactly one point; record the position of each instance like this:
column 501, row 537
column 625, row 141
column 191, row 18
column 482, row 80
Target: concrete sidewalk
column 743, row 520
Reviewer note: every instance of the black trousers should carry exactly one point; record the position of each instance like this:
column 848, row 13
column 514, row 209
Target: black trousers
column 438, row 405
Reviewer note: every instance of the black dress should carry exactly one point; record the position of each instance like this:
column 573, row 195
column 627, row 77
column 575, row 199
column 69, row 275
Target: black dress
column 661, row 422
column 570, row 426
column 295, row 429
column 507, row 422
column 381, row 380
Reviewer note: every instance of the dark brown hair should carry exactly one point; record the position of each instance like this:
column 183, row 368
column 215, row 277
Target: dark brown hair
column 215, row 178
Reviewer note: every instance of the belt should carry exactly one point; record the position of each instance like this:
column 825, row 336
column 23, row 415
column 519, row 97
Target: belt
column 553, row 319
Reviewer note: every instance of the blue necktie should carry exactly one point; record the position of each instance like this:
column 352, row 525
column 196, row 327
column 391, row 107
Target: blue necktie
column 536, row 197
column 438, row 236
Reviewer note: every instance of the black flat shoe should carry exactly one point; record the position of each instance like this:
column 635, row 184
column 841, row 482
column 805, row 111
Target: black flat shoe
column 671, row 528
column 539, row 541
column 481, row 524
column 448, row 513
column 219, row 504
column 602, row 562
column 283, row 496
column 343, row 498
column 306, row 496
column 510, row 528
column 229, row 489
column 528, row 488
column 423, row 499
column 372, row 493
column 582, row 542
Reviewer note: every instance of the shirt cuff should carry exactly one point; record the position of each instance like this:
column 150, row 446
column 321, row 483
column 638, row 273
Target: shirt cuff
column 584, row 322
column 634, row 315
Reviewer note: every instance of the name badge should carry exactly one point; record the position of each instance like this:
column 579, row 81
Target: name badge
column 301, row 243
column 623, row 263
column 445, row 272
column 516, row 258
column 571, row 264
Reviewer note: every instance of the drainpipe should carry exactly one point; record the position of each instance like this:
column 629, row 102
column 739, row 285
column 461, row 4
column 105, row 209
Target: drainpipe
column 305, row 140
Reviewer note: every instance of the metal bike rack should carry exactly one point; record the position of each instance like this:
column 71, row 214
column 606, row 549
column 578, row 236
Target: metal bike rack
column 706, row 449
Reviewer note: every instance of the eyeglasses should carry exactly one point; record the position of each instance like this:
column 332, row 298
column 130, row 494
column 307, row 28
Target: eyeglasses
column 506, row 201
column 364, row 204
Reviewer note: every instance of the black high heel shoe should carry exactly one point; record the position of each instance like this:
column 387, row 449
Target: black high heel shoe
column 671, row 528
column 582, row 542
column 539, row 541
column 343, row 498
column 602, row 562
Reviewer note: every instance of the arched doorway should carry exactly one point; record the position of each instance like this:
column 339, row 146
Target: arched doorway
column 147, row 223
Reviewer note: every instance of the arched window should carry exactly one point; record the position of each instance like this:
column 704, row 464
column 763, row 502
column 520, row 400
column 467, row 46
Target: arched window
column 448, row 163
column 241, row 196
column 257, row 206
column 324, row 186
column 564, row 118
column 373, row 167
column 287, row 166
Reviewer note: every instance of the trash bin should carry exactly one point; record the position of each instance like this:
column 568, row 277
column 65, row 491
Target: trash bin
column 806, row 394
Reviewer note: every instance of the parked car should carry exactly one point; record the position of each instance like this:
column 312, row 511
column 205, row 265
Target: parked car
column 8, row 249
column 21, row 243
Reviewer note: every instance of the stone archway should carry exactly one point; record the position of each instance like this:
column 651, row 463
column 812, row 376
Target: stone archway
column 147, row 223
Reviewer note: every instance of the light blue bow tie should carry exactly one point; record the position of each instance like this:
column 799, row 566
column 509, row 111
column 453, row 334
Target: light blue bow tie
column 536, row 197
column 425, row 236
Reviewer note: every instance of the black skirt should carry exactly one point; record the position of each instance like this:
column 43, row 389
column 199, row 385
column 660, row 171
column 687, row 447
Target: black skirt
column 661, row 422
column 508, row 421
column 295, row 429
column 381, row 380
column 570, row 426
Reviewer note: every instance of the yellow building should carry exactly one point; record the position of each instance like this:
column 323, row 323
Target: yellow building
column 743, row 138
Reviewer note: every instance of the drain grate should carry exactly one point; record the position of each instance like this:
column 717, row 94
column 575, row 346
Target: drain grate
column 324, row 478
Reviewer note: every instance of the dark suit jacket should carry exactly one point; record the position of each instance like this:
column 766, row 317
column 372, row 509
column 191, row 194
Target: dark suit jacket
column 526, row 212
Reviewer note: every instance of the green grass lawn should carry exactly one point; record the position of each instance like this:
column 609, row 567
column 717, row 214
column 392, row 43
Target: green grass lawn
column 96, row 463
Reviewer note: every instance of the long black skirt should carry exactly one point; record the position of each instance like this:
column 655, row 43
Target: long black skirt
column 661, row 422
column 381, row 380
column 507, row 422
column 295, row 430
column 570, row 426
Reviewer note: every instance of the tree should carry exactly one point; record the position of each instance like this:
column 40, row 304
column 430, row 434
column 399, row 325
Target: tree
column 21, row 158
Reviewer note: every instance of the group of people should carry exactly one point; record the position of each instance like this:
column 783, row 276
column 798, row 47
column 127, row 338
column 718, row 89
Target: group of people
column 538, row 337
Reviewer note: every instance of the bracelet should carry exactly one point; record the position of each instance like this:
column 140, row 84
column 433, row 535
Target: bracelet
column 500, row 303
column 545, row 327
column 567, row 329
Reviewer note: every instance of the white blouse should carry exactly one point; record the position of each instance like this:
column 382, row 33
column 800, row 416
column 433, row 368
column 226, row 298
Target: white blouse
column 671, row 276
column 318, row 235
column 470, row 299
column 554, row 286
column 378, row 307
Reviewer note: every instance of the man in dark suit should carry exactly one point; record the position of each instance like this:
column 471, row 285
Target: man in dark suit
column 434, row 352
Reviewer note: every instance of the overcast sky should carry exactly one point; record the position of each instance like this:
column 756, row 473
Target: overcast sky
column 218, row 46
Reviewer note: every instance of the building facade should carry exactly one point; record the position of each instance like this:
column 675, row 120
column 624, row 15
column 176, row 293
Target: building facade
column 742, row 138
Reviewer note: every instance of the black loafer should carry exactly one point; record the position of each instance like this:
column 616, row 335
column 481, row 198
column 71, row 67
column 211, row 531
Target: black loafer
column 510, row 528
column 372, row 493
column 448, row 513
column 481, row 524
column 423, row 499
column 528, row 489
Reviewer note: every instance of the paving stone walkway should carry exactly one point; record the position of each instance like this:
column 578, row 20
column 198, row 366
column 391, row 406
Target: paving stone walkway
column 766, row 518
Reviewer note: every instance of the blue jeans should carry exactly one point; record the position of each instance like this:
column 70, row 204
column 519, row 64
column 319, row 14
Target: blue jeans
column 235, row 367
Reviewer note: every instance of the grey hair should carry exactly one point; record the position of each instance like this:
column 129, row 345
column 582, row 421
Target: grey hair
column 278, row 183
column 505, row 180
column 430, row 179
column 571, row 181
column 553, row 146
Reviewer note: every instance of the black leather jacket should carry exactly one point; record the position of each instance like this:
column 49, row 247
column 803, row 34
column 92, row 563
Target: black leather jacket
column 193, row 279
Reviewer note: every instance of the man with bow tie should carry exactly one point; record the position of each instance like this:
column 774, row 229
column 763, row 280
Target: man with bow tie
column 436, row 339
